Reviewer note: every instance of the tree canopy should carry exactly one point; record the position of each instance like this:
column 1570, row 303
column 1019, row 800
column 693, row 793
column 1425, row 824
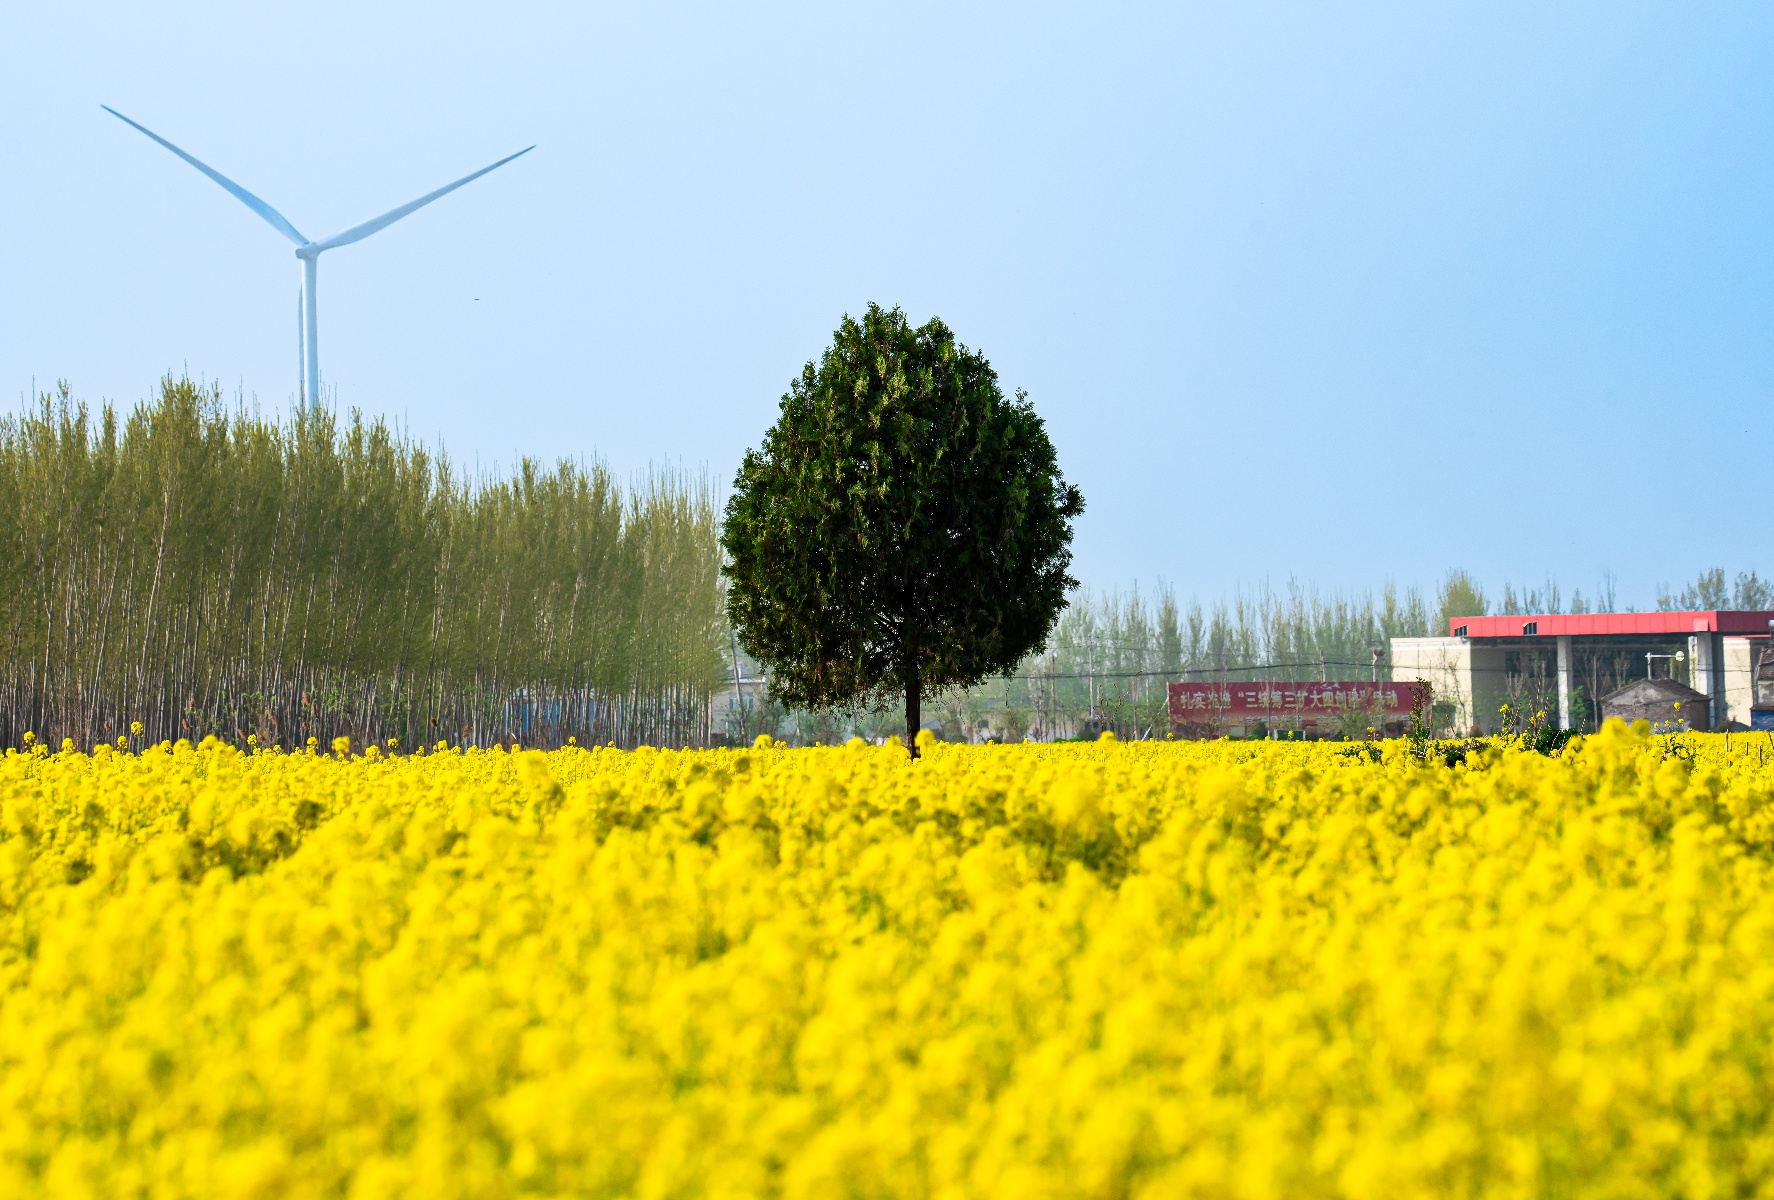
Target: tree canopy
column 904, row 528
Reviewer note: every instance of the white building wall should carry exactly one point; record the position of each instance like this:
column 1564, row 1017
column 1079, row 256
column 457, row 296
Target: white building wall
column 1468, row 676
column 1472, row 676
column 1740, row 654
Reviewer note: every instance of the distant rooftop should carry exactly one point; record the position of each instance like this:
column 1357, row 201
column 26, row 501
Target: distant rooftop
column 1663, row 687
column 1610, row 624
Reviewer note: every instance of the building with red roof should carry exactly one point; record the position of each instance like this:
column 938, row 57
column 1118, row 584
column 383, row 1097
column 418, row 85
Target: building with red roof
column 1563, row 663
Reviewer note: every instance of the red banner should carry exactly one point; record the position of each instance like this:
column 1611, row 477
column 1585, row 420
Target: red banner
column 1192, row 703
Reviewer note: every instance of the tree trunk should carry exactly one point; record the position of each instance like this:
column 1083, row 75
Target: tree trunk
column 913, row 713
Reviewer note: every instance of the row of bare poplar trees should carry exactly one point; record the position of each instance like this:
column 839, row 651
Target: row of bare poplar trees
column 207, row 570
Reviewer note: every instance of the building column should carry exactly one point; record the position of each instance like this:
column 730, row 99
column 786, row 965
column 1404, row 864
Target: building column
column 1706, row 673
column 1564, row 682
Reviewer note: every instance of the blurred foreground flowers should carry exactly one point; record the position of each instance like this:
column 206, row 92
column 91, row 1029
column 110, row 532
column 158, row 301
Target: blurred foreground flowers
column 1106, row 970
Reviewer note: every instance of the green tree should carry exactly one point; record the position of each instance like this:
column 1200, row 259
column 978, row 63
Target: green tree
column 1460, row 596
column 904, row 529
column 1710, row 591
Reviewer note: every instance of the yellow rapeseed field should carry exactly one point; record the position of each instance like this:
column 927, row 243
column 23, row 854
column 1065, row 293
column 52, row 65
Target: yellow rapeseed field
column 1101, row 970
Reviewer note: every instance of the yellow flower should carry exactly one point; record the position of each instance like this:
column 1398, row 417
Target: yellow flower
column 1106, row 968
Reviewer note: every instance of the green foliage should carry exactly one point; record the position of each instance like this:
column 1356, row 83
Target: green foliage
column 212, row 572
column 904, row 528
column 1710, row 591
column 1540, row 734
column 1459, row 596
column 1422, row 726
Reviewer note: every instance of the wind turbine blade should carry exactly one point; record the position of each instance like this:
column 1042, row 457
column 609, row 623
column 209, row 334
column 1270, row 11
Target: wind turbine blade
column 271, row 215
column 358, row 232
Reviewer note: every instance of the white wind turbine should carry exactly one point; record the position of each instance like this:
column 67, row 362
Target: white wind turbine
column 308, row 251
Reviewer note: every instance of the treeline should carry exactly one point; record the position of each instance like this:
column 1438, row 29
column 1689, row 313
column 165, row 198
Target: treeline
column 1106, row 665
column 1110, row 656
column 200, row 569
column 1710, row 590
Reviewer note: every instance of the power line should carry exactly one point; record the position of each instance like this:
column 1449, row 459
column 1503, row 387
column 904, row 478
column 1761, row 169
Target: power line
column 1276, row 666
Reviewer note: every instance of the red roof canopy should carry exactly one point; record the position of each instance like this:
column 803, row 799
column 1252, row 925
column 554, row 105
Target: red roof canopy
column 1602, row 624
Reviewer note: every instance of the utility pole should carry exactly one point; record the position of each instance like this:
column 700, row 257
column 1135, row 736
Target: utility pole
column 1564, row 682
column 1052, row 693
column 1322, row 676
column 1090, row 659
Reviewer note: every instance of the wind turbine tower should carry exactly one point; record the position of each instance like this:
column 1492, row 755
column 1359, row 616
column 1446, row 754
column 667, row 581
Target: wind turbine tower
column 307, row 251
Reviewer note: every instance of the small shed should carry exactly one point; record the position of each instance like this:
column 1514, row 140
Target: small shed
column 1669, row 706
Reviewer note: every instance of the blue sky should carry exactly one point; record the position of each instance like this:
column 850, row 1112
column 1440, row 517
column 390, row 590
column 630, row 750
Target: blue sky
column 1347, row 293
